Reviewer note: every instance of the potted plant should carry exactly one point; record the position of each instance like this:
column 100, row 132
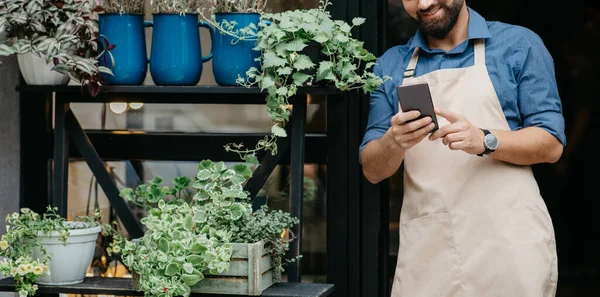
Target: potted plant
column 62, row 34
column 122, row 22
column 48, row 249
column 302, row 48
column 236, row 25
column 202, row 231
column 176, row 55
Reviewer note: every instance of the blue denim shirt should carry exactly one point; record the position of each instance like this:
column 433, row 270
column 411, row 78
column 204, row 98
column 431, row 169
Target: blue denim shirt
column 518, row 63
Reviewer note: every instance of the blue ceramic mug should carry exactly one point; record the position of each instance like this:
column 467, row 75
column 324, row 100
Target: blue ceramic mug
column 176, row 58
column 234, row 56
column 127, row 60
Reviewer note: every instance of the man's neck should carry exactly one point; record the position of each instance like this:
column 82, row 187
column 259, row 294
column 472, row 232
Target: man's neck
column 457, row 35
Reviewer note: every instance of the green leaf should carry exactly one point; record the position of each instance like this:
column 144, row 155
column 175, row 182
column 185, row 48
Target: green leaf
column 162, row 257
column 284, row 71
column 61, row 68
column 198, row 248
column 190, row 279
column 194, row 259
column 163, row 245
column 220, row 166
column 272, row 60
column 200, row 216
column 189, row 223
column 303, row 62
column 282, row 91
column 204, row 174
column 358, row 21
column 300, row 78
column 324, row 68
column 295, row 45
column 5, row 50
column 242, row 169
column 266, row 82
column 156, row 180
column 345, row 28
column 172, row 269
column 237, row 211
column 278, row 131
column 369, row 57
column 201, row 195
column 342, row 38
column 209, row 256
column 205, row 164
column 181, row 182
column 251, row 158
column 161, row 204
column 127, row 194
column 237, row 180
column 321, row 37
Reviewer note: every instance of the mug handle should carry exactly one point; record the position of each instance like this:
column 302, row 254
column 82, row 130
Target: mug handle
column 212, row 32
column 148, row 24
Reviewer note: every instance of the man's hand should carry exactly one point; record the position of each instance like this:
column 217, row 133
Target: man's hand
column 406, row 135
column 460, row 134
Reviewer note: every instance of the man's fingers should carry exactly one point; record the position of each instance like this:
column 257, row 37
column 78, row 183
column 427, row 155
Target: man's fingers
column 448, row 115
column 417, row 134
column 452, row 137
column 459, row 145
column 443, row 131
column 403, row 117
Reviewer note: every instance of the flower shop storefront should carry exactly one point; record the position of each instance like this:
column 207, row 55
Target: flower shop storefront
column 210, row 147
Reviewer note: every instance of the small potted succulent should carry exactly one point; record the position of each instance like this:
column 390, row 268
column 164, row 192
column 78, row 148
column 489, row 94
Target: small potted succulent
column 300, row 48
column 122, row 22
column 176, row 55
column 236, row 26
column 201, row 232
column 47, row 249
column 53, row 35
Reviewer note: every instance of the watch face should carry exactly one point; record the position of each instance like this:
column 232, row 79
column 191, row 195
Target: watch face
column 491, row 141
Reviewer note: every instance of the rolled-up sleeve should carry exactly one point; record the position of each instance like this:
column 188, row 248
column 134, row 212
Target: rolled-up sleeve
column 538, row 98
column 380, row 111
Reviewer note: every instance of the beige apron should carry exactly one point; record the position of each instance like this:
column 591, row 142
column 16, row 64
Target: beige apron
column 471, row 226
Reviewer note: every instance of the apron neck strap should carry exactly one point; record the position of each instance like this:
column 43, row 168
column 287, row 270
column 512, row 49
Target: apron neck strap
column 479, row 52
column 412, row 64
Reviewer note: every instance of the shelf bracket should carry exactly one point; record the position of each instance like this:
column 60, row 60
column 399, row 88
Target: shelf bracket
column 99, row 170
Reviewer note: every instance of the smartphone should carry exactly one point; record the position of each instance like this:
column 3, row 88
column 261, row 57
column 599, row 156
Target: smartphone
column 417, row 97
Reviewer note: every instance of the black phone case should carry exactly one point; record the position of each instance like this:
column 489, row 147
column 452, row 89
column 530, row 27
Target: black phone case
column 417, row 97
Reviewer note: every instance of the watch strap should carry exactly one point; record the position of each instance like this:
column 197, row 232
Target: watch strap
column 487, row 150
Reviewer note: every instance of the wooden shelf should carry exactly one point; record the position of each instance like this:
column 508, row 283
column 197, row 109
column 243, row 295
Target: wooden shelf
column 169, row 94
column 122, row 287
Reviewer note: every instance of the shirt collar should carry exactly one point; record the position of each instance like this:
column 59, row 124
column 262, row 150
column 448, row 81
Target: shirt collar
column 477, row 29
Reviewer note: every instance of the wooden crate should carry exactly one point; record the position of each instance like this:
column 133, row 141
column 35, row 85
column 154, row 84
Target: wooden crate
column 250, row 273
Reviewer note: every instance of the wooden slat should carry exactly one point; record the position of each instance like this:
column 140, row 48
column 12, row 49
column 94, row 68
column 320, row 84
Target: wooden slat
column 122, row 287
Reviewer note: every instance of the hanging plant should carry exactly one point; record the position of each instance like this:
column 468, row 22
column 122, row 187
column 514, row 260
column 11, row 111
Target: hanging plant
column 303, row 48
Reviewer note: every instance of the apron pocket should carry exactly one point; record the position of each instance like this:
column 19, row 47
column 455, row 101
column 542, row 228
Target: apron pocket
column 428, row 262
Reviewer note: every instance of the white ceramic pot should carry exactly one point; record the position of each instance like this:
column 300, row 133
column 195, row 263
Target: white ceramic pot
column 68, row 262
column 36, row 71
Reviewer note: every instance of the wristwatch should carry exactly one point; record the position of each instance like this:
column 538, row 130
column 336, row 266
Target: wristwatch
column 490, row 142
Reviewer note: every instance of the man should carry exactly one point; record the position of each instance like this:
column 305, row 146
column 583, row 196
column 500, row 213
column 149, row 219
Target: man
column 473, row 223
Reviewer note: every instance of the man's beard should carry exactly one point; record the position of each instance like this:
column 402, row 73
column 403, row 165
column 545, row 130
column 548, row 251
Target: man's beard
column 439, row 28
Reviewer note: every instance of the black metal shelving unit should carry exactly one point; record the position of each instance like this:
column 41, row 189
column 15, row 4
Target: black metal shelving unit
column 123, row 287
column 357, row 211
column 60, row 137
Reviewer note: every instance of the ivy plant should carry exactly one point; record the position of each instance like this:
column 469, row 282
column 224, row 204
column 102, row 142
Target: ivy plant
column 191, row 225
column 285, row 40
